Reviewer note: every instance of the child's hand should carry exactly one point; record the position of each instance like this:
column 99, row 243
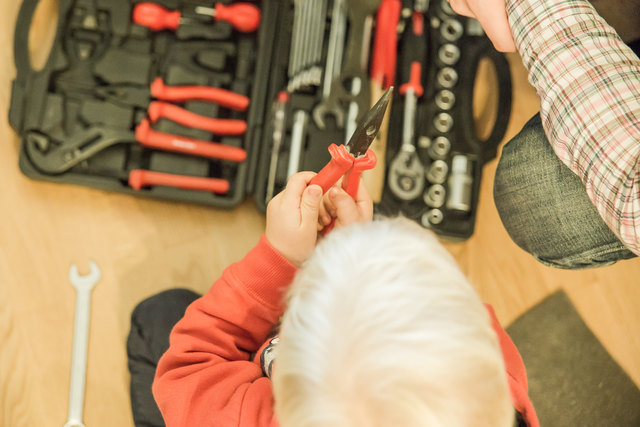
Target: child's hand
column 492, row 15
column 339, row 205
column 292, row 218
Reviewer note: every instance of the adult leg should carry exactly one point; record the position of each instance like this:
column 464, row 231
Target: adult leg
column 151, row 323
column 545, row 208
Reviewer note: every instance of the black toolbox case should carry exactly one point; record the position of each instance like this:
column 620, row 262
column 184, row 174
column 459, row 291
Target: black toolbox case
column 62, row 122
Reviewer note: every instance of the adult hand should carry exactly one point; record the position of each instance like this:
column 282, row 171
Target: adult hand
column 492, row 15
column 292, row 218
column 341, row 206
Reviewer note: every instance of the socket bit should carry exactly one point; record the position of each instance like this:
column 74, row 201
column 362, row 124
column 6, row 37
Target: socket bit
column 446, row 7
column 443, row 122
column 435, row 196
column 439, row 148
column 447, row 77
column 460, row 184
column 449, row 53
column 445, row 99
column 437, row 172
column 432, row 217
column 451, row 30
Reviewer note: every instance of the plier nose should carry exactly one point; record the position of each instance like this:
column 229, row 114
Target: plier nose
column 350, row 160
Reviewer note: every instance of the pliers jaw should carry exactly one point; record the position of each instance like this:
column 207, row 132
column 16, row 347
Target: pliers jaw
column 369, row 126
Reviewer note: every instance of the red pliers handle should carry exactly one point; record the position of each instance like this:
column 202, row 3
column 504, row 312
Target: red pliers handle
column 225, row 98
column 343, row 164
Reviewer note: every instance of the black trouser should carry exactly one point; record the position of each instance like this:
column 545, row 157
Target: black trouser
column 151, row 323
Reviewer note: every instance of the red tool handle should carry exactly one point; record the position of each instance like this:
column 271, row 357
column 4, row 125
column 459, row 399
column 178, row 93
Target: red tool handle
column 166, row 141
column 383, row 63
column 139, row 178
column 224, row 97
column 351, row 179
column 156, row 17
column 244, row 17
column 340, row 162
column 161, row 110
column 414, row 49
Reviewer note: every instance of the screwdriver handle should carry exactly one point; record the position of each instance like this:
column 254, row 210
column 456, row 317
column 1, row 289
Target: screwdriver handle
column 139, row 178
column 340, row 162
column 225, row 98
column 151, row 138
column 385, row 48
column 244, row 17
column 414, row 50
column 162, row 110
column 156, row 17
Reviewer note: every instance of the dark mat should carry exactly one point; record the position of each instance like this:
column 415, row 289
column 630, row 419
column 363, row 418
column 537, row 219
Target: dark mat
column 573, row 381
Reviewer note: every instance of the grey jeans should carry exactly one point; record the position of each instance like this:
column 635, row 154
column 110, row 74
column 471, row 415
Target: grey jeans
column 545, row 208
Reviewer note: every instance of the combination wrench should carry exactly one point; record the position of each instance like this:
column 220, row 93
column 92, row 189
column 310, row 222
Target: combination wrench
column 83, row 285
column 329, row 105
column 360, row 14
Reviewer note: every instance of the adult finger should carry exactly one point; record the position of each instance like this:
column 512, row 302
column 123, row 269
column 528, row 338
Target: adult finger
column 461, row 8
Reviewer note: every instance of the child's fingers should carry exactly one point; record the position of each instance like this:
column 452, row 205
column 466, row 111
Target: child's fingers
column 347, row 212
column 296, row 185
column 364, row 202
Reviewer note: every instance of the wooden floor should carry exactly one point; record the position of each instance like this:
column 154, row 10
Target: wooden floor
column 145, row 246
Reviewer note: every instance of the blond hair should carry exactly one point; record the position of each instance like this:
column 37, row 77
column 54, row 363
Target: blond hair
column 383, row 329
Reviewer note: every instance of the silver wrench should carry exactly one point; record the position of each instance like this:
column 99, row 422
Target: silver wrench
column 360, row 14
column 329, row 105
column 83, row 285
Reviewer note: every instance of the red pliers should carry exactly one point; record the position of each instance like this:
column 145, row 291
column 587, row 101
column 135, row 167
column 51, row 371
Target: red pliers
column 348, row 161
column 156, row 99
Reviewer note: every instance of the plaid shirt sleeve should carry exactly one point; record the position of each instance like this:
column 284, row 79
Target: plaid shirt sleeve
column 588, row 82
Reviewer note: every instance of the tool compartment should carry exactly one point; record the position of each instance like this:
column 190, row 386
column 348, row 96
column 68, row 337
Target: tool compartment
column 92, row 117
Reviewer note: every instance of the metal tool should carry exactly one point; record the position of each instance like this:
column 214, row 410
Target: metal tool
column 360, row 14
column 460, row 184
column 437, row 172
column 279, row 121
column 298, row 133
column 435, row 196
column 443, row 122
column 445, row 99
column 83, row 285
column 449, row 53
column 439, row 148
column 306, row 43
column 432, row 217
column 329, row 105
column 447, row 77
column 406, row 172
column 451, row 30
column 350, row 160
column 244, row 17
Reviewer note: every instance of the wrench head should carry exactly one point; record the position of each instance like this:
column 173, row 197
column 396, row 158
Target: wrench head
column 324, row 109
column 87, row 281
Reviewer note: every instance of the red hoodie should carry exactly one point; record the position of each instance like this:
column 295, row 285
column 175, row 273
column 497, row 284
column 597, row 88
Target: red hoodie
column 208, row 376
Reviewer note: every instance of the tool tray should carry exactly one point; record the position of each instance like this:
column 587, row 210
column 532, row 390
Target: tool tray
column 74, row 129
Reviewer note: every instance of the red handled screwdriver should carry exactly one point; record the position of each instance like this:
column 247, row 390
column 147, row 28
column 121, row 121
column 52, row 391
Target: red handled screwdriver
column 244, row 17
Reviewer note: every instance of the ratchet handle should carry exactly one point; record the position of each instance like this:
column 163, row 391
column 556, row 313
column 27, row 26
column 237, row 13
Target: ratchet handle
column 340, row 162
column 225, row 98
column 139, row 178
column 414, row 49
column 151, row 138
column 162, row 110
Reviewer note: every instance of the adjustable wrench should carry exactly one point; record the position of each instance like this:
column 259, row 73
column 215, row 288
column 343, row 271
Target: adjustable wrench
column 83, row 285
column 329, row 105
column 360, row 13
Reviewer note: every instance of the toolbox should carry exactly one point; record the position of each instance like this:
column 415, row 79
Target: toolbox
column 216, row 102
